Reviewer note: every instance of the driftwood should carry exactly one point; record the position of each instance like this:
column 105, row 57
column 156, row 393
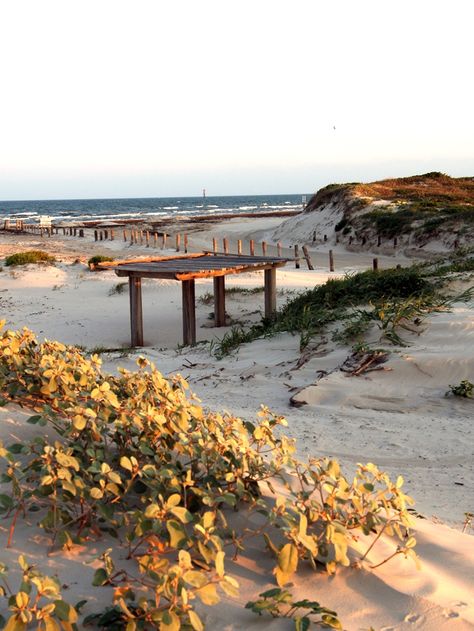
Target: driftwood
column 364, row 361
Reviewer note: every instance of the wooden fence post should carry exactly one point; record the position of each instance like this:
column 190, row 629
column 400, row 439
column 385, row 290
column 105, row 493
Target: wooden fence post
column 178, row 242
column 225, row 244
column 214, row 245
column 252, row 247
column 239, row 246
column 264, row 248
column 308, row 258
column 147, row 238
column 124, row 234
column 185, row 242
column 163, row 243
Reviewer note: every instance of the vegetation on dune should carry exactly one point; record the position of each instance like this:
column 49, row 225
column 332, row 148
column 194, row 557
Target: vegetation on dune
column 396, row 298
column 424, row 205
column 31, row 256
column 312, row 311
column 137, row 458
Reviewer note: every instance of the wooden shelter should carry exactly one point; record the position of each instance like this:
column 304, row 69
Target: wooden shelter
column 187, row 269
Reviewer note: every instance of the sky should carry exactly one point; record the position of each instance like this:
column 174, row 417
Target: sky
column 143, row 98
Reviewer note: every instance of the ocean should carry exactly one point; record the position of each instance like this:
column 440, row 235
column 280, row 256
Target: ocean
column 160, row 207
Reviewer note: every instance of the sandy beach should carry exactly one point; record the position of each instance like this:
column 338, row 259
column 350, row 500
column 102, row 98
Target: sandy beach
column 399, row 418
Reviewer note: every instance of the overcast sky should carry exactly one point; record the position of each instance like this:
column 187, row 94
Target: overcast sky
column 119, row 98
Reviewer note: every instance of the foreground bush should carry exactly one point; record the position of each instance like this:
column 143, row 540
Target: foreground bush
column 32, row 256
column 139, row 459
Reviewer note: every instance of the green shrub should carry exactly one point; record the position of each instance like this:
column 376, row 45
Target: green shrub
column 465, row 389
column 98, row 258
column 32, row 256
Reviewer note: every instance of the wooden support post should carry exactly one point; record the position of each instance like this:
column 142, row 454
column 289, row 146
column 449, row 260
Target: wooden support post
column 189, row 313
column 331, row 261
column 239, row 246
column 81, row 232
column 74, row 231
column 124, row 234
column 163, row 243
column 101, row 235
column 106, row 234
column 270, row 292
column 141, row 237
column 136, row 316
column 147, row 238
column 264, row 248
column 214, row 245
column 64, row 232
column 111, row 234
column 185, row 238
column 308, row 258
column 178, row 242
column 375, row 264
column 297, row 257
column 219, row 300
column 279, row 248
column 252, row 247
column 155, row 239
column 225, row 245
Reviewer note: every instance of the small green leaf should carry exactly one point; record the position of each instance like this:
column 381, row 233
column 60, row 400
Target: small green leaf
column 176, row 532
column 100, row 577
column 302, row 624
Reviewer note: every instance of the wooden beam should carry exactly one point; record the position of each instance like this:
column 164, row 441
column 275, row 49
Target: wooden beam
column 189, row 313
column 219, row 300
column 270, row 292
column 136, row 316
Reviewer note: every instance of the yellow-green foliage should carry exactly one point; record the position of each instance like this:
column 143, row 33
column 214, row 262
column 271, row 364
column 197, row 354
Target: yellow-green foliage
column 140, row 459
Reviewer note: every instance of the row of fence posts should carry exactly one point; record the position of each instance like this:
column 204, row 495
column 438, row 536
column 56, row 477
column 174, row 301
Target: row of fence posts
column 145, row 236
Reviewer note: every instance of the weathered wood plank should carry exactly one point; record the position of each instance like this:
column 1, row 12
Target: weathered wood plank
column 136, row 316
column 270, row 292
column 189, row 313
column 219, row 300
